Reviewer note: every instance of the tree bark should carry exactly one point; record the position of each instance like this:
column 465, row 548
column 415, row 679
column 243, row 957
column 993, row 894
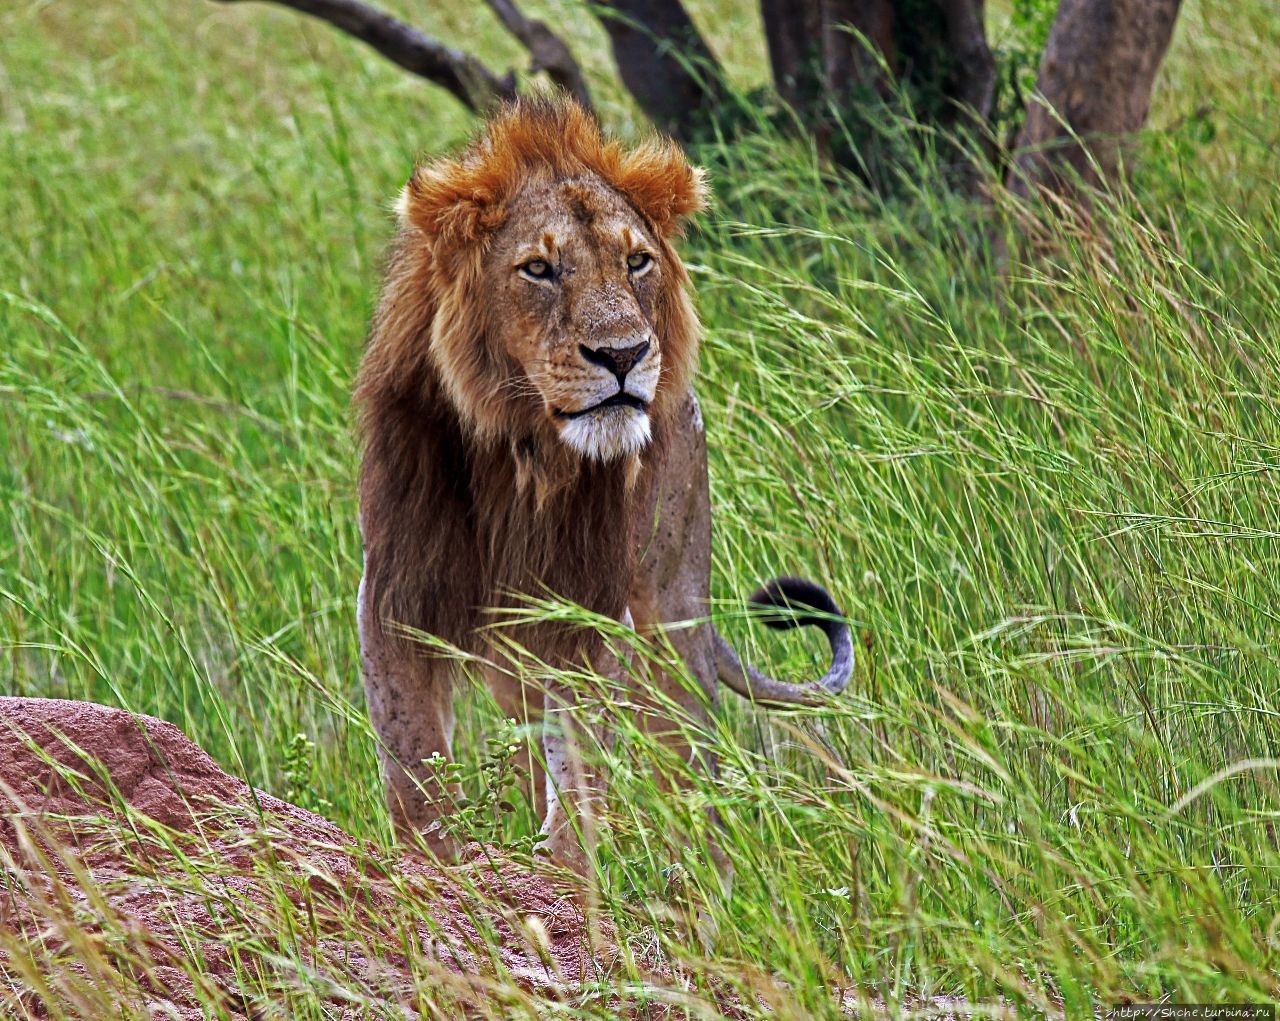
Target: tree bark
column 460, row 73
column 664, row 62
column 1095, row 84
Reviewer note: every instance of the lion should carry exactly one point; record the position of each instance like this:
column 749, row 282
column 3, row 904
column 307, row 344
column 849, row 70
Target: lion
column 529, row 427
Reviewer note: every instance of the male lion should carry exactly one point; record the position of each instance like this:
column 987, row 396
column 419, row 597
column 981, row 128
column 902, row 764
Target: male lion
column 529, row 427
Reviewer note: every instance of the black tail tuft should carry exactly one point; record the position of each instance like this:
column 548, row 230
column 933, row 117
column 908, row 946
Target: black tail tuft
column 789, row 603
column 788, row 598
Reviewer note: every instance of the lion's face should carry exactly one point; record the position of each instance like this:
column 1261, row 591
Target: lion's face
column 535, row 288
column 571, row 280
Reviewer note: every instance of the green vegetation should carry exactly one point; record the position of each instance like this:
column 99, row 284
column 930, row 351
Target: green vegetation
column 1047, row 500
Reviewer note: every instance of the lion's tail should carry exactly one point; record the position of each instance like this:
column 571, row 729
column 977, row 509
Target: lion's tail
column 792, row 596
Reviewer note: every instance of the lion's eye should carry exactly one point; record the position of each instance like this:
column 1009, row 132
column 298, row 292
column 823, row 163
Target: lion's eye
column 537, row 269
column 637, row 262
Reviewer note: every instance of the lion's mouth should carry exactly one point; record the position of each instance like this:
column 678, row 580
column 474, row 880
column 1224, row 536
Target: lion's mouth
column 621, row 399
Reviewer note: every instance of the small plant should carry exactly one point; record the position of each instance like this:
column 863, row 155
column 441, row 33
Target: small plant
column 486, row 790
column 299, row 772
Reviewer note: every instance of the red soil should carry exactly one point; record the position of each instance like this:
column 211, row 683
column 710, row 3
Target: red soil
column 98, row 809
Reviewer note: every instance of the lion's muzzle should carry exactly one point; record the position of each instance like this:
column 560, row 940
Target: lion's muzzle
column 612, row 421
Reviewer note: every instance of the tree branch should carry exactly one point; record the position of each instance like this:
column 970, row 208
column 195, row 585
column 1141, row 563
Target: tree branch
column 664, row 62
column 460, row 73
column 550, row 53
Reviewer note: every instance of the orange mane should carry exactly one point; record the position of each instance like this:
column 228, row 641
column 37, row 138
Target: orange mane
column 456, row 201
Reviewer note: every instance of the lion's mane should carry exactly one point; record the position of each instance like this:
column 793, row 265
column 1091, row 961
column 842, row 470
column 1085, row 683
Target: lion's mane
column 465, row 493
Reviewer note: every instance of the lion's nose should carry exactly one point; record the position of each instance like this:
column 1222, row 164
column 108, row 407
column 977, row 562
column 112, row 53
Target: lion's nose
column 618, row 360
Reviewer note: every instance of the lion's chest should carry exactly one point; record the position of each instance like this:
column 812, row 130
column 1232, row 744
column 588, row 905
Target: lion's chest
column 577, row 546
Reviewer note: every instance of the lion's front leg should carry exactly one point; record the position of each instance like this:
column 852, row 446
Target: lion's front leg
column 410, row 699
column 670, row 599
column 670, row 593
column 575, row 738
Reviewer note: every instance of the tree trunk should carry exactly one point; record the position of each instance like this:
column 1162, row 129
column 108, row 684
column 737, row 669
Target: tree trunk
column 664, row 62
column 793, row 34
column 856, row 36
column 829, row 61
column 841, row 63
column 1095, row 81
column 823, row 50
column 973, row 68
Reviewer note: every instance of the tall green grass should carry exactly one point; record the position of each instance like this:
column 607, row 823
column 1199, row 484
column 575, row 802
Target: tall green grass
column 1047, row 498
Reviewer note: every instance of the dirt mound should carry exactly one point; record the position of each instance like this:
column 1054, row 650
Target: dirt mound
column 141, row 880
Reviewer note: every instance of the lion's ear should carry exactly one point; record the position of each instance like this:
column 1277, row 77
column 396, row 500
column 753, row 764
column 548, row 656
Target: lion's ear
column 448, row 201
column 664, row 186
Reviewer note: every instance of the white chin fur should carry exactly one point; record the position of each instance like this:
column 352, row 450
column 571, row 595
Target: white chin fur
column 608, row 434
